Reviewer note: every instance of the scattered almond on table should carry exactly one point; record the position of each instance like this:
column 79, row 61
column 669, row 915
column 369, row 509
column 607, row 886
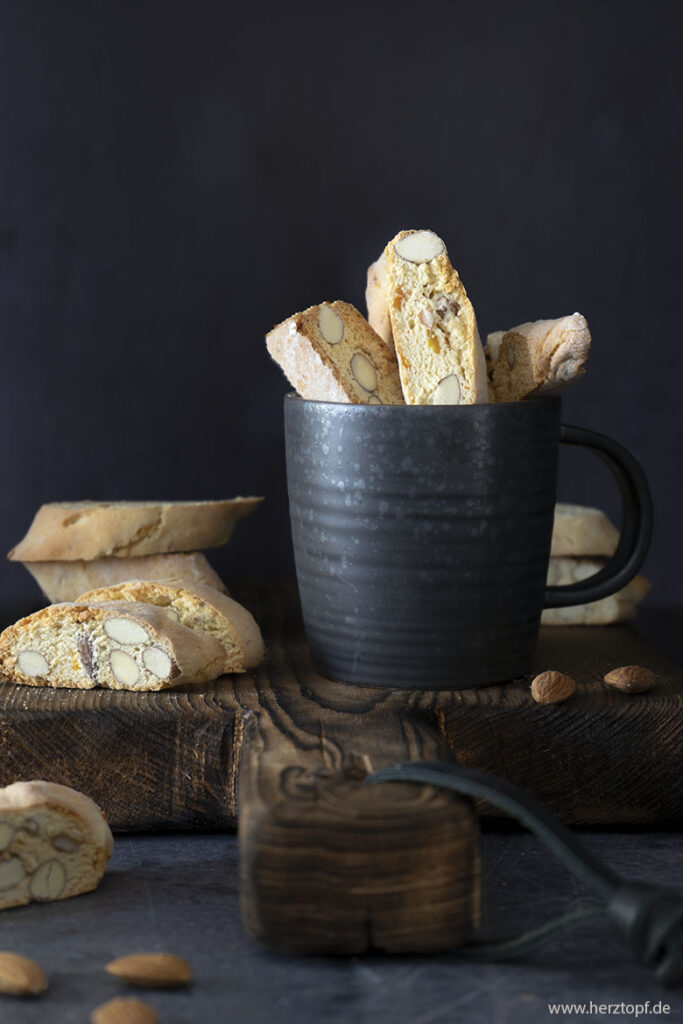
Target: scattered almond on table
column 151, row 970
column 124, row 1011
column 20, row 976
column 631, row 679
column 552, row 688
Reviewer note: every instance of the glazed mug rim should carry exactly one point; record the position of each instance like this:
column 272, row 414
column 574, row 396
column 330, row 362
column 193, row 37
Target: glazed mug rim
column 527, row 403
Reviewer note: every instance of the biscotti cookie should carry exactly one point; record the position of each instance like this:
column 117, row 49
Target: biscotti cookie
column 376, row 300
column 441, row 361
column 330, row 353
column 536, row 359
column 200, row 608
column 119, row 645
column 606, row 612
column 614, row 608
column 580, row 530
column 54, row 843
column 84, row 530
column 65, row 581
column 563, row 571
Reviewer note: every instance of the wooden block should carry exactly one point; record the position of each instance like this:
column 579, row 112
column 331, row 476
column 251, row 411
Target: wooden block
column 152, row 761
column 327, row 864
column 170, row 760
column 330, row 865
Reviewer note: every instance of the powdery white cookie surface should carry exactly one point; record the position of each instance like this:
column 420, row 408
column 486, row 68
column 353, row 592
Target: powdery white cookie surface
column 580, row 530
column 441, row 360
column 539, row 358
column 376, row 300
column 330, row 353
column 54, row 843
column 65, row 581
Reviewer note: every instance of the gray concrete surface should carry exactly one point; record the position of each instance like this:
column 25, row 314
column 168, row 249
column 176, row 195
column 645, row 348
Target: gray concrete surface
column 180, row 894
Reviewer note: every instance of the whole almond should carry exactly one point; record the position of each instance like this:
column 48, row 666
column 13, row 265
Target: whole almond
column 552, row 687
column 124, row 1011
column 20, row 976
column 631, row 679
column 151, row 970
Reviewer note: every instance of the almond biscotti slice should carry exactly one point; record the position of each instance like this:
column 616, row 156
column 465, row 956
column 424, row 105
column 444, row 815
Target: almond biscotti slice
column 84, row 530
column 330, row 353
column 119, row 645
column 200, row 608
column 376, row 300
column 441, row 361
column 605, row 612
column 54, row 843
column 534, row 359
column 66, row 581
column 581, row 530
column 564, row 570
column 615, row 608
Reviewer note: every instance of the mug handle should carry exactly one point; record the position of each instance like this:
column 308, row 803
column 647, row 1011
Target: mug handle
column 636, row 529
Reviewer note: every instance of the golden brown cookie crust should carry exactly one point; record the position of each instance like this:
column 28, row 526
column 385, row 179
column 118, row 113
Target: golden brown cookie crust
column 85, row 530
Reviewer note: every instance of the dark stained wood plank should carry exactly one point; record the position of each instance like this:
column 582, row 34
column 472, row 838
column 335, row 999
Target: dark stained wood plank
column 170, row 760
column 603, row 757
column 328, row 864
column 151, row 761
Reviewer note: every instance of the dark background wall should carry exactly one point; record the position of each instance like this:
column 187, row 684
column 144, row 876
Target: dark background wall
column 177, row 177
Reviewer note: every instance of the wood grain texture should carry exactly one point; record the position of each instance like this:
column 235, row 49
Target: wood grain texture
column 170, row 760
column 152, row 761
column 603, row 757
column 328, row 864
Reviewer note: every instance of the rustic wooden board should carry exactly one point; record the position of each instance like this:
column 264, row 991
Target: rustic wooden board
column 602, row 758
column 171, row 760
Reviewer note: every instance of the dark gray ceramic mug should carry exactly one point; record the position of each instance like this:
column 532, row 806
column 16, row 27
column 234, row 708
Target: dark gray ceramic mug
column 422, row 536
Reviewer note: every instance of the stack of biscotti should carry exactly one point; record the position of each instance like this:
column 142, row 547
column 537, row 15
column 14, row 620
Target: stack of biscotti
column 137, row 607
column 72, row 547
column 583, row 539
column 420, row 344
